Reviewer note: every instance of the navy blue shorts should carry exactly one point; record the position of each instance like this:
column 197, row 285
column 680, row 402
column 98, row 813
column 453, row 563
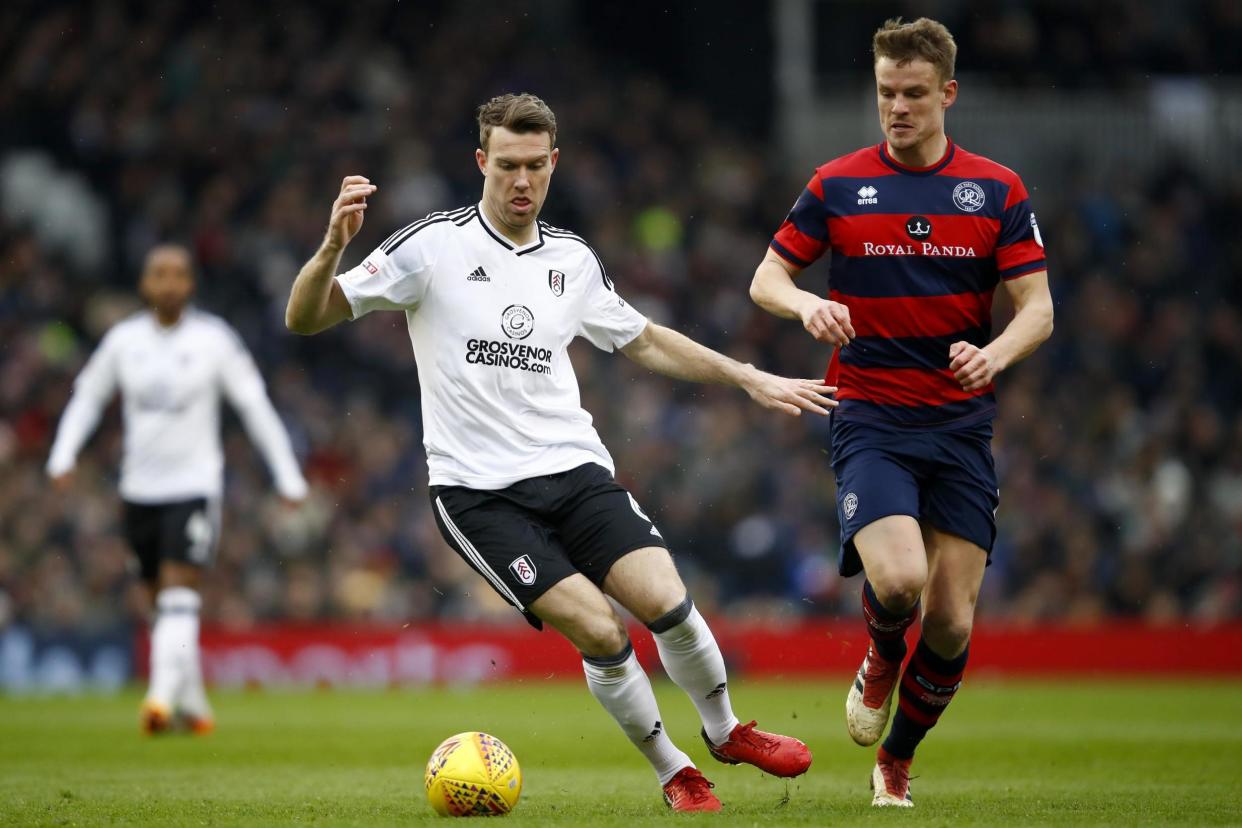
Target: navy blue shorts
column 945, row 479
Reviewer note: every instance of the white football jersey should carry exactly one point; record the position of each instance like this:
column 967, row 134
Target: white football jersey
column 491, row 323
column 171, row 381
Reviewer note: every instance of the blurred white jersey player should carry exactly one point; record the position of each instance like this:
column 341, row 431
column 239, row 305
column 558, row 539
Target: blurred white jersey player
column 171, row 365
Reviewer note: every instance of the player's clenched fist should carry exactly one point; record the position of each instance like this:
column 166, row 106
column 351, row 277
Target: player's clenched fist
column 828, row 321
column 348, row 209
column 972, row 367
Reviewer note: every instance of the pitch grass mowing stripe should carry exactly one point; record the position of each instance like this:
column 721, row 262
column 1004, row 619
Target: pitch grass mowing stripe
column 1046, row 753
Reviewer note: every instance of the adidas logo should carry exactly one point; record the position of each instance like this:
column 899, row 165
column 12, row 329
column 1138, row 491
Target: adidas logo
column 478, row 275
column 867, row 195
column 720, row 688
column 655, row 733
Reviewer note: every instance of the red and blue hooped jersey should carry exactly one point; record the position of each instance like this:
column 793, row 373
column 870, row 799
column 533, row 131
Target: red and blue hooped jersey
column 916, row 255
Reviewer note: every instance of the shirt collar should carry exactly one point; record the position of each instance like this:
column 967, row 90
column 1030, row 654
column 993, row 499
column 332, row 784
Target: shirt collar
column 505, row 242
column 906, row 169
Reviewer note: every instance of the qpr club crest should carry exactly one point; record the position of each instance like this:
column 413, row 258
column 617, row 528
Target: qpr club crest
column 517, row 321
column 969, row 197
column 523, row 569
column 556, row 281
column 850, row 505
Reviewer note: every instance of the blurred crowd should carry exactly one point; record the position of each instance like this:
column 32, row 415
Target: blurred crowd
column 1119, row 443
column 1062, row 44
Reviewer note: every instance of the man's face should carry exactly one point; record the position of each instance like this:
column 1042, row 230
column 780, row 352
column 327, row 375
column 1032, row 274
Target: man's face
column 167, row 280
column 912, row 100
column 517, row 169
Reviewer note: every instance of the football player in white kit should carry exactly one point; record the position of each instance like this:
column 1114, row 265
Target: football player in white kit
column 171, row 364
column 521, row 486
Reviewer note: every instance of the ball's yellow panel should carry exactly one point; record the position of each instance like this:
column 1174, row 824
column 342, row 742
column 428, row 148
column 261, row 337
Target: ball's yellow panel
column 473, row 774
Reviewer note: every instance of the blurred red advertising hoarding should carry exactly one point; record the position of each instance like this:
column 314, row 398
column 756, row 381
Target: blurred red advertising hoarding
column 364, row 656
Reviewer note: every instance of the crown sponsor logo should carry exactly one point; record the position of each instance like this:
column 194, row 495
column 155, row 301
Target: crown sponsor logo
column 918, row 227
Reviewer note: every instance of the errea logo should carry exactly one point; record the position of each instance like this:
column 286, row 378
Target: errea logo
column 867, row 195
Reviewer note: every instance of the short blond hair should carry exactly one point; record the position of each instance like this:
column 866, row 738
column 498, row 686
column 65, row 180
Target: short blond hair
column 516, row 113
column 924, row 39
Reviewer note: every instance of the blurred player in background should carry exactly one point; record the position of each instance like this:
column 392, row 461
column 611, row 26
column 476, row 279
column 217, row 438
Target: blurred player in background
column 921, row 232
column 521, row 486
column 171, row 364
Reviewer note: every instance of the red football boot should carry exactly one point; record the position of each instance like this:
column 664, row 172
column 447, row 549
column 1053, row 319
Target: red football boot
column 890, row 779
column 154, row 718
column 871, row 697
column 769, row 752
column 689, row 791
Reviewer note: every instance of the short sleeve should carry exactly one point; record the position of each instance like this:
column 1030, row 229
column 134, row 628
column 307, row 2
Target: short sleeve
column 608, row 321
column 1019, row 247
column 803, row 236
column 394, row 276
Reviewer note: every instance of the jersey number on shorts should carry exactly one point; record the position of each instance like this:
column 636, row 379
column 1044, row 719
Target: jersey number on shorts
column 198, row 533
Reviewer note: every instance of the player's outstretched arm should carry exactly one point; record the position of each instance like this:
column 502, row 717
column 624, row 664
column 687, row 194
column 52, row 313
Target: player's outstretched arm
column 773, row 289
column 92, row 391
column 667, row 352
column 317, row 301
column 975, row 367
column 243, row 386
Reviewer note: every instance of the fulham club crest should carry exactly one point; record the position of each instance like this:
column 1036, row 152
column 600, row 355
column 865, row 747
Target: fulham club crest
column 523, row 569
column 556, row 281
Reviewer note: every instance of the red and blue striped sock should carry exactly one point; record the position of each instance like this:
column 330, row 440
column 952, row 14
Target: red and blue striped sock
column 887, row 628
column 927, row 686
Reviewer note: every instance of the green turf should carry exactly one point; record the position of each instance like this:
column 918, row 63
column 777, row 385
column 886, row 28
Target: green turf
column 1155, row 753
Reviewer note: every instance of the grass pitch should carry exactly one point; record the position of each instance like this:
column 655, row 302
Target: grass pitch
column 1006, row 753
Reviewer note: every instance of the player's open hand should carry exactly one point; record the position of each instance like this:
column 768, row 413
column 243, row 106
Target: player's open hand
column 348, row 209
column 973, row 368
column 792, row 396
column 828, row 322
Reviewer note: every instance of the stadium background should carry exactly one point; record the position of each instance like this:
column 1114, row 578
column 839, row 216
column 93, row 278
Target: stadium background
column 685, row 136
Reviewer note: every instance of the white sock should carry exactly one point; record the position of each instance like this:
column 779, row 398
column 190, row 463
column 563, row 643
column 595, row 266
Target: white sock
column 174, row 644
column 193, row 697
column 622, row 687
column 693, row 661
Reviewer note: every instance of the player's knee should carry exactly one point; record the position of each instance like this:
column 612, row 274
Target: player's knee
column 899, row 591
column 947, row 632
column 178, row 574
column 601, row 635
